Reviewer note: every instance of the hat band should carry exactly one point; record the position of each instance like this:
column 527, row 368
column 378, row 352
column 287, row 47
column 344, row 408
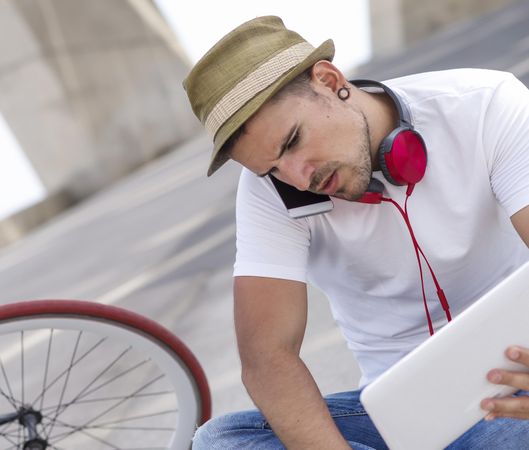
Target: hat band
column 255, row 82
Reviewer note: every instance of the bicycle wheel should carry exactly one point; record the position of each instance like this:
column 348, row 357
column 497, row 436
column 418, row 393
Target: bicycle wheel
column 81, row 375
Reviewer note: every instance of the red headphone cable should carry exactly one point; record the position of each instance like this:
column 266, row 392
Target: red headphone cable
column 440, row 293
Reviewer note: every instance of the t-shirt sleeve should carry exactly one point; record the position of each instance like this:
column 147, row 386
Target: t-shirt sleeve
column 506, row 143
column 269, row 242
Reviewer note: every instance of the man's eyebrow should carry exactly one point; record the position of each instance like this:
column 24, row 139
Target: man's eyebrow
column 283, row 147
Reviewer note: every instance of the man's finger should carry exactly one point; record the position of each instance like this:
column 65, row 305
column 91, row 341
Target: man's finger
column 518, row 354
column 516, row 407
column 519, row 380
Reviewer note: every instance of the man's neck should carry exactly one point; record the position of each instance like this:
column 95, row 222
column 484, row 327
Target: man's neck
column 382, row 118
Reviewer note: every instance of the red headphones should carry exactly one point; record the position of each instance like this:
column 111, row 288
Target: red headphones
column 402, row 153
column 402, row 159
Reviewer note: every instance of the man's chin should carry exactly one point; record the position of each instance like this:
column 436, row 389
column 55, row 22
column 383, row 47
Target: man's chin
column 353, row 191
column 350, row 197
column 353, row 195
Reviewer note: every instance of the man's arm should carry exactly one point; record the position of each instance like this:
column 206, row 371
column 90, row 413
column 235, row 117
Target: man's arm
column 517, row 407
column 270, row 320
column 520, row 220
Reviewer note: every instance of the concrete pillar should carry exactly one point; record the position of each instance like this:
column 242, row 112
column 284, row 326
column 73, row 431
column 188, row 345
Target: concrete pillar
column 91, row 89
column 387, row 29
column 396, row 24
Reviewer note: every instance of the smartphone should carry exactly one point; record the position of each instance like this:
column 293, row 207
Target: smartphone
column 302, row 203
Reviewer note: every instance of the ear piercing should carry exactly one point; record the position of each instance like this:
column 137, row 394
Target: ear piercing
column 343, row 93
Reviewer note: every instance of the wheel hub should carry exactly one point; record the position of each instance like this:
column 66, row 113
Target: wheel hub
column 29, row 418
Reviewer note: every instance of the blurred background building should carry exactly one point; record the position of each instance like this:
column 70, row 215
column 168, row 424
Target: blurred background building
column 90, row 91
column 399, row 24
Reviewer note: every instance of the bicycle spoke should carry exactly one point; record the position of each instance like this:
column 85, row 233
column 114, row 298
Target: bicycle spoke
column 58, row 377
column 10, row 398
column 104, row 427
column 59, row 436
column 106, row 369
column 8, row 437
column 106, row 399
column 69, row 370
column 103, row 441
column 120, row 448
column 131, row 428
column 93, row 437
column 6, row 430
column 106, row 411
column 116, row 377
column 10, row 433
column 86, row 433
column 109, row 425
column 62, row 407
column 48, row 353
column 144, row 416
column 13, row 443
column 22, row 362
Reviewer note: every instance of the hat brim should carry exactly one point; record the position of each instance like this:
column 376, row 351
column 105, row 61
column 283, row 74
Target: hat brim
column 219, row 157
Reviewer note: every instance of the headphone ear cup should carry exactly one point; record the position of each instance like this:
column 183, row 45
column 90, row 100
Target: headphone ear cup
column 402, row 157
column 385, row 147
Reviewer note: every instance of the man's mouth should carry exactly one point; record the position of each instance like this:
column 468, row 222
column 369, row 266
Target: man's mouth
column 330, row 184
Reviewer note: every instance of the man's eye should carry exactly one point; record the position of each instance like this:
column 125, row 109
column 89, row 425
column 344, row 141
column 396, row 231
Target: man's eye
column 294, row 140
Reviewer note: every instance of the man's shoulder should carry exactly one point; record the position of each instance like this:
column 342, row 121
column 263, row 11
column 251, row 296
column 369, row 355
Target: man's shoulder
column 253, row 189
column 251, row 181
column 453, row 82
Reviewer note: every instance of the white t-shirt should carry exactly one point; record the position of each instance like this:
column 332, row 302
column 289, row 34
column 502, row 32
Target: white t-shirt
column 475, row 124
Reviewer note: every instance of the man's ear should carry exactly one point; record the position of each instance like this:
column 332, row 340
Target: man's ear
column 325, row 73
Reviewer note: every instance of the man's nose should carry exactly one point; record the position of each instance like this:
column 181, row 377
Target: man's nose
column 296, row 172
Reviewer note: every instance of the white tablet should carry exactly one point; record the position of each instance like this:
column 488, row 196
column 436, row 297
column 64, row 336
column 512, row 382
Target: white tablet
column 432, row 396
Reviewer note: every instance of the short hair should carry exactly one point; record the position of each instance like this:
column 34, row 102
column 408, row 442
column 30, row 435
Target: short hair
column 301, row 86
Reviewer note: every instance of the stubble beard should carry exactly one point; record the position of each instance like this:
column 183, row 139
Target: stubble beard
column 354, row 176
column 356, row 184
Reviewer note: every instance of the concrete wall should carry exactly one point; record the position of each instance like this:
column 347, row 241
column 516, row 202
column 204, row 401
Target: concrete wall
column 91, row 89
column 397, row 24
column 19, row 224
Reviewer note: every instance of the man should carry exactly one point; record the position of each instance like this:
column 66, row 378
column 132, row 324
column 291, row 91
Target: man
column 280, row 107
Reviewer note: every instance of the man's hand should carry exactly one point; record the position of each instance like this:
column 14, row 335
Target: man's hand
column 515, row 407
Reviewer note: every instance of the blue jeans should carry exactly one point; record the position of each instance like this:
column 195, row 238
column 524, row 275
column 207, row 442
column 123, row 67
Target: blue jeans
column 250, row 430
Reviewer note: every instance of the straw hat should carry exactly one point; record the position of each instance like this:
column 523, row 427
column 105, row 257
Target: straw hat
column 242, row 71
